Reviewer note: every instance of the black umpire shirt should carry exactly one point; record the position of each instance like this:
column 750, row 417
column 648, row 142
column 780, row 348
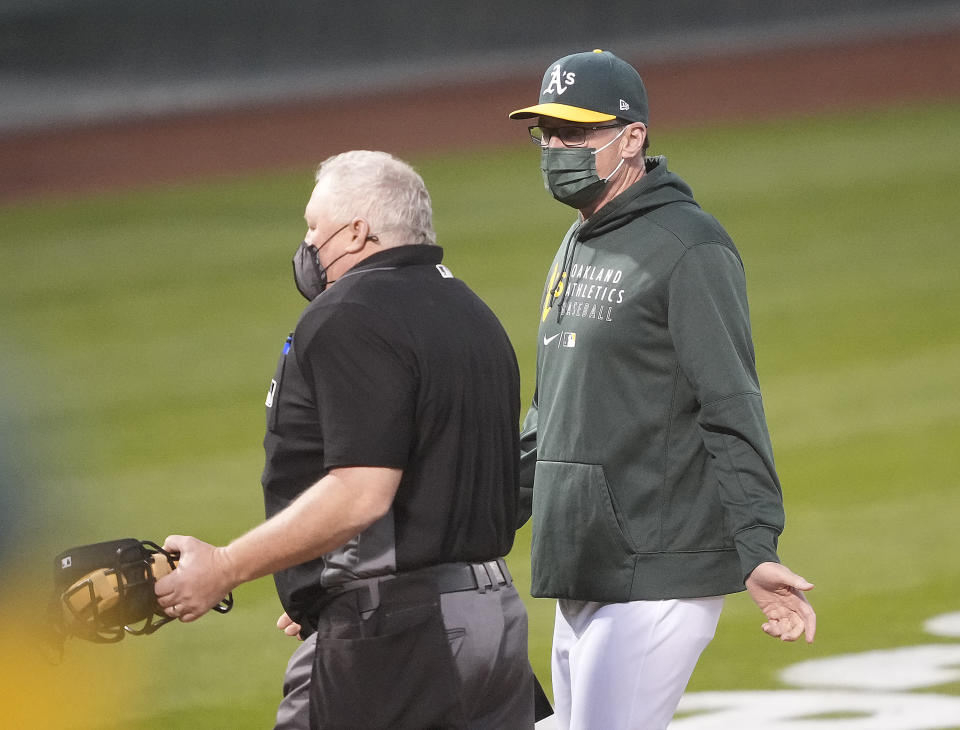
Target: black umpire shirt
column 398, row 364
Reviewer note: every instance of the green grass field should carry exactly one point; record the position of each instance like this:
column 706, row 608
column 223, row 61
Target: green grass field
column 140, row 331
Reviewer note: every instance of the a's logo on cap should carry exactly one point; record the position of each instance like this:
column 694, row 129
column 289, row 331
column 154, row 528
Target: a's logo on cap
column 624, row 106
column 558, row 79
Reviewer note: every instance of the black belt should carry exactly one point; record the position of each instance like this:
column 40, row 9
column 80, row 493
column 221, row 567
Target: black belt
column 451, row 578
column 455, row 577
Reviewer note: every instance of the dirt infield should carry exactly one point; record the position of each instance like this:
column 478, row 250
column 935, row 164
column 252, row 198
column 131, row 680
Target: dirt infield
column 754, row 85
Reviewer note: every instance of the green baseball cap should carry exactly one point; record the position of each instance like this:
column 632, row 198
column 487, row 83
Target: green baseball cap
column 590, row 87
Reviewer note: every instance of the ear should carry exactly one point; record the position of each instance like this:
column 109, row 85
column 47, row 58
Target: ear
column 635, row 135
column 359, row 230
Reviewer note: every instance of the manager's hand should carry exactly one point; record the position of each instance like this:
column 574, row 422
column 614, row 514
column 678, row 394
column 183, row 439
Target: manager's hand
column 779, row 592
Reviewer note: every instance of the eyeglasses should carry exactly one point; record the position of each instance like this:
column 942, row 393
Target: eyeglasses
column 569, row 136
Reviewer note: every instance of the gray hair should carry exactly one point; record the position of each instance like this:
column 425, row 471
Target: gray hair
column 384, row 191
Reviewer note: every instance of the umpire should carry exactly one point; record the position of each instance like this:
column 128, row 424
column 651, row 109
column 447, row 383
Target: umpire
column 391, row 478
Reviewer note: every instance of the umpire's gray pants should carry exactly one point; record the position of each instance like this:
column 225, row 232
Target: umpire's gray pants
column 488, row 638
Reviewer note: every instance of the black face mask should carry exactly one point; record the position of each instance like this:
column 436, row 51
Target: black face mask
column 308, row 273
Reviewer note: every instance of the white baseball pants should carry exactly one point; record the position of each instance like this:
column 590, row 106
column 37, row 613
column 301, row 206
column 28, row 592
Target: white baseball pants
column 624, row 666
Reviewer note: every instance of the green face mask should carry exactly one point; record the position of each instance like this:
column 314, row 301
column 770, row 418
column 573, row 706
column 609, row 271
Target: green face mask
column 570, row 173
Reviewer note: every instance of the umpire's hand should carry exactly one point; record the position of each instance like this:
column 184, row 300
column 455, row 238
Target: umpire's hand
column 202, row 578
column 288, row 626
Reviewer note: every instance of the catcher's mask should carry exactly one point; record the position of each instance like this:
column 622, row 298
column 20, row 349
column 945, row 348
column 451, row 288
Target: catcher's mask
column 102, row 590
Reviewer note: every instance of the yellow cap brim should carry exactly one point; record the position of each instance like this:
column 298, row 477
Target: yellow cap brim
column 561, row 111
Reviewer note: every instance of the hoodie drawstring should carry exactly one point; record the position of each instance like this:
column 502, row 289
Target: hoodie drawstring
column 569, row 251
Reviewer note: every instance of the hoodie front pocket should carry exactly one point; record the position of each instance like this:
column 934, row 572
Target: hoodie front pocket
column 580, row 549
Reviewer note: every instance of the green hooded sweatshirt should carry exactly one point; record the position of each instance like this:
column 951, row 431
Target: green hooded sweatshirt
column 646, row 444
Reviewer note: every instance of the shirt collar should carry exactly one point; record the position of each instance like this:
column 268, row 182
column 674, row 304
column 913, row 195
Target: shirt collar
column 410, row 255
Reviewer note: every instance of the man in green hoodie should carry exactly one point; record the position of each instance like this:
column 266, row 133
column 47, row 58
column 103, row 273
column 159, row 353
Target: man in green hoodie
column 646, row 446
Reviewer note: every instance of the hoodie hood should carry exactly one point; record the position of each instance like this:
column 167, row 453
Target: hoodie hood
column 657, row 187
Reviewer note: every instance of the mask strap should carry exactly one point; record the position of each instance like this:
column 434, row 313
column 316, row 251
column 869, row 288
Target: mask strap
column 611, row 141
column 622, row 160
column 607, row 178
column 329, row 238
column 326, row 268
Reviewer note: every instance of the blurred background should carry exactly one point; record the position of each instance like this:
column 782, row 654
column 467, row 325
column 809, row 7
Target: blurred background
column 91, row 60
column 154, row 164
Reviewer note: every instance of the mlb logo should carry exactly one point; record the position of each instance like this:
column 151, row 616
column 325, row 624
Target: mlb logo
column 569, row 339
column 66, row 563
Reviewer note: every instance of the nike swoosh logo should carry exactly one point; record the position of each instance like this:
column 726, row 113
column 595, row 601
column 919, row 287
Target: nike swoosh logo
column 548, row 340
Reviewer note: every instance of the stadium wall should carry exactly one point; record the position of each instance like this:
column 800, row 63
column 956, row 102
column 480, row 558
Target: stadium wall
column 98, row 95
column 68, row 61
